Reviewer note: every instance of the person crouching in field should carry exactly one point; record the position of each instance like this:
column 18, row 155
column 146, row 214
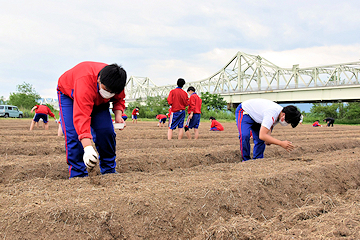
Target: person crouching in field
column 41, row 111
column 162, row 119
column 178, row 100
column 194, row 111
column 124, row 116
column 316, row 124
column 260, row 116
column 84, row 93
column 215, row 125
column 134, row 114
column 329, row 121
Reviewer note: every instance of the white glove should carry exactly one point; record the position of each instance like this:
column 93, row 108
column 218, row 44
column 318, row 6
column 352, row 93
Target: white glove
column 90, row 157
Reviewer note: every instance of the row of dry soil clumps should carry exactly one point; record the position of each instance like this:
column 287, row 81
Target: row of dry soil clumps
column 252, row 200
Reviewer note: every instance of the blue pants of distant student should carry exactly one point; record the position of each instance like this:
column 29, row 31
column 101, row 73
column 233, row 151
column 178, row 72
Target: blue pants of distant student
column 194, row 122
column 177, row 119
column 102, row 131
column 245, row 123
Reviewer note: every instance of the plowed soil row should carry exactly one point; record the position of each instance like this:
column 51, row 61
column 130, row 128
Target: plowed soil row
column 182, row 189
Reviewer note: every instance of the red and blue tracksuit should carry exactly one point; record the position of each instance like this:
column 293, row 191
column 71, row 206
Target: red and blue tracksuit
column 216, row 126
column 135, row 113
column 124, row 116
column 42, row 111
column 85, row 114
column 195, row 107
column 178, row 99
column 246, row 124
column 162, row 118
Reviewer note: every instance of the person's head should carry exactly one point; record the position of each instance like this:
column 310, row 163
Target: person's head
column 180, row 82
column 112, row 79
column 137, row 108
column 211, row 118
column 190, row 90
column 291, row 115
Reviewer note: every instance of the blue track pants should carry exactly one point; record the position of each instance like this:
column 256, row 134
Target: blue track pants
column 102, row 131
column 245, row 123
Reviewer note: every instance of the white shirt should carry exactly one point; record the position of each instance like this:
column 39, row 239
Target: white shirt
column 262, row 111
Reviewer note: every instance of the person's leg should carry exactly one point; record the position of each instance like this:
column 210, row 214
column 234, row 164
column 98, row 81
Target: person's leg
column 244, row 123
column 32, row 125
column 73, row 147
column 196, row 133
column 181, row 133
column 35, row 120
column 187, row 127
column 170, row 133
column 60, row 133
column 181, row 124
column 104, row 138
column 195, row 125
column 46, row 124
column 172, row 126
column 188, row 134
column 259, row 145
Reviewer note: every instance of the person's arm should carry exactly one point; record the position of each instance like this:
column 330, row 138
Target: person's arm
column 265, row 136
column 35, row 107
column 170, row 98
column 191, row 107
column 119, row 106
column 51, row 113
column 118, row 116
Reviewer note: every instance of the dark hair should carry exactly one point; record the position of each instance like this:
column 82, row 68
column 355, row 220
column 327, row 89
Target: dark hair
column 212, row 118
column 191, row 88
column 113, row 77
column 292, row 115
column 180, row 82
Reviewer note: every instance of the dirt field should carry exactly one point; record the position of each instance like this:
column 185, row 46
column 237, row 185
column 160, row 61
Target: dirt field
column 182, row 189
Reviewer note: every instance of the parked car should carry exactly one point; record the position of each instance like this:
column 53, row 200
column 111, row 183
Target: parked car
column 10, row 111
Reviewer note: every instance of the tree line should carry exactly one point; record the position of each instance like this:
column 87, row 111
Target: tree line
column 213, row 105
column 345, row 113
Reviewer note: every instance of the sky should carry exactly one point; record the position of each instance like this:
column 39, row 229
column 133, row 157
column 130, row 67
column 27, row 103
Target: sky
column 165, row 39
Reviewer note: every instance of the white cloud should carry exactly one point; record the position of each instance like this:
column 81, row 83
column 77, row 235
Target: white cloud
column 314, row 56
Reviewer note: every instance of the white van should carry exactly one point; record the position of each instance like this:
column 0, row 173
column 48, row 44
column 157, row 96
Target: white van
column 10, row 111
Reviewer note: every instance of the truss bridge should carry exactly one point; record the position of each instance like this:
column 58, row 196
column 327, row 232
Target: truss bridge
column 248, row 76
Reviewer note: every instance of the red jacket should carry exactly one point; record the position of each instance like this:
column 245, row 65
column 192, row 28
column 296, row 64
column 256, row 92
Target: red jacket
column 134, row 111
column 316, row 124
column 44, row 110
column 216, row 124
column 178, row 99
column 161, row 116
column 194, row 104
column 80, row 84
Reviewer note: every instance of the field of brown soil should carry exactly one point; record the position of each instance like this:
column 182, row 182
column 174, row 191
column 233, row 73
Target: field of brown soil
column 182, row 189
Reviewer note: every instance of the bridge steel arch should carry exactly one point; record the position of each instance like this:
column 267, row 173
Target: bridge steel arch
column 248, row 76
